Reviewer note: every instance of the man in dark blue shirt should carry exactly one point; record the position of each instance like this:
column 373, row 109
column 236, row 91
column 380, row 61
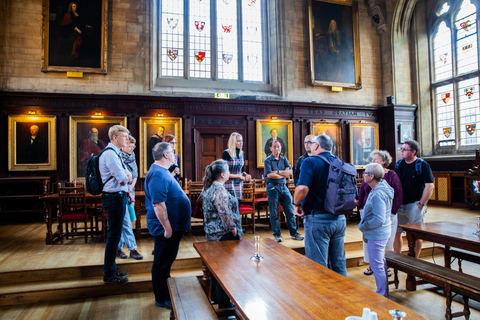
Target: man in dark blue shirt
column 309, row 140
column 329, row 230
column 277, row 169
column 168, row 216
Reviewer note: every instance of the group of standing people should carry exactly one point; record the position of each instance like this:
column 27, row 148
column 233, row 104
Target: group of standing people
column 384, row 195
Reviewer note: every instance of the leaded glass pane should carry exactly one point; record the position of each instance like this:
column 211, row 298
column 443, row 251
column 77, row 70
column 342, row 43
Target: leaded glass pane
column 172, row 39
column 445, row 115
column 466, row 28
column 469, row 111
column 200, row 57
column 227, row 40
column 442, row 51
column 252, row 40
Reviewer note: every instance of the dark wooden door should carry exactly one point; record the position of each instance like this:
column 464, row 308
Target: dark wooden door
column 209, row 147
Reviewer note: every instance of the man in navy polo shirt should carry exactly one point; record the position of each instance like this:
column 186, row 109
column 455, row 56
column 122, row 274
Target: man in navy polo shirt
column 324, row 232
column 168, row 216
column 277, row 169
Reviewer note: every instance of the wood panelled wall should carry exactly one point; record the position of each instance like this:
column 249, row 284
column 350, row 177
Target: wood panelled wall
column 199, row 115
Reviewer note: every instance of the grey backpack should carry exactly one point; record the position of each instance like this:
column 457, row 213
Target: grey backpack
column 341, row 196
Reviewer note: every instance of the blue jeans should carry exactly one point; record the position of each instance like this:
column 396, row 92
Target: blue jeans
column 280, row 193
column 114, row 205
column 324, row 237
column 127, row 234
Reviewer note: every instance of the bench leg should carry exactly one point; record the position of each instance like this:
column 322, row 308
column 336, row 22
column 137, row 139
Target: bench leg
column 395, row 271
column 466, row 309
column 448, row 294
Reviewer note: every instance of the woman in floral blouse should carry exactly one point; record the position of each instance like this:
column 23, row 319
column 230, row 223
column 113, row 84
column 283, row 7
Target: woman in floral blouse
column 221, row 216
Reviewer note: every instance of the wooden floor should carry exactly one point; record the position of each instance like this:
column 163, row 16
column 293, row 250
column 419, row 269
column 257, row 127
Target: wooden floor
column 23, row 248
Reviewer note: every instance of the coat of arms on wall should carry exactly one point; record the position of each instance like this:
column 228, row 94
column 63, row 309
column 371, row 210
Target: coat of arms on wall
column 447, row 131
column 470, row 128
column 469, row 92
column 446, row 97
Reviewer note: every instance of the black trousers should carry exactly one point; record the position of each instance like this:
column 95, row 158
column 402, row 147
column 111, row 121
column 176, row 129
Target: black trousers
column 165, row 254
column 218, row 294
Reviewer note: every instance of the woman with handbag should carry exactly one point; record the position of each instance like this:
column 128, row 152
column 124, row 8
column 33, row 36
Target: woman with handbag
column 128, row 158
column 221, row 216
column 375, row 223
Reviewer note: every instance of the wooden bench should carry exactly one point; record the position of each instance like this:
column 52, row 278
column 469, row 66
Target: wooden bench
column 189, row 301
column 464, row 255
column 450, row 280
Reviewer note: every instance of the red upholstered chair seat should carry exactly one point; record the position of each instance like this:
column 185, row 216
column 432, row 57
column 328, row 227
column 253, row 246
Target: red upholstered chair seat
column 73, row 216
column 245, row 208
column 261, row 200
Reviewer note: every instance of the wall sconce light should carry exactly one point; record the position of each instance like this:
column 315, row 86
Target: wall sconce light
column 159, row 114
column 274, row 118
column 98, row 115
column 32, row 112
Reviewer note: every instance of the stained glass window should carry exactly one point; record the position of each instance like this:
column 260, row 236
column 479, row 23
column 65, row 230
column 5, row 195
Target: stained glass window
column 455, row 72
column 212, row 39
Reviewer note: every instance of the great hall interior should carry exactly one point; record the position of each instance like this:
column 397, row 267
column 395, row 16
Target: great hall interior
column 376, row 71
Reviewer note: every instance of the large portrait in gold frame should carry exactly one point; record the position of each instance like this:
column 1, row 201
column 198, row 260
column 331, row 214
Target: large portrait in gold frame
column 267, row 130
column 75, row 35
column 88, row 134
column 364, row 138
column 32, row 144
column 152, row 131
column 331, row 129
column 334, row 43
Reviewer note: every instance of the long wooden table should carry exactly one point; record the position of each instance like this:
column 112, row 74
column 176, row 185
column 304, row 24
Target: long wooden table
column 286, row 285
column 450, row 234
column 50, row 206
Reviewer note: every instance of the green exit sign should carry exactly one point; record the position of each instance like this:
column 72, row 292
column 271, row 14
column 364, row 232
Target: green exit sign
column 222, row 95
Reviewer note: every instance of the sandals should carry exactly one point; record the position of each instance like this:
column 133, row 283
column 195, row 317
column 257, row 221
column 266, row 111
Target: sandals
column 368, row 272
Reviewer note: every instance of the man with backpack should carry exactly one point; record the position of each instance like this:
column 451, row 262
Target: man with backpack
column 115, row 178
column 417, row 183
column 324, row 230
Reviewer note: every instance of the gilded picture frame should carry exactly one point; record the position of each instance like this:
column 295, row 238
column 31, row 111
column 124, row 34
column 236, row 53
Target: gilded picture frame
column 331, row 129
column 32, row 143
column 87, row 135
column 75, row 36
column 364, row 139
column 265, row 134
column 152, row 131
column 334, row 43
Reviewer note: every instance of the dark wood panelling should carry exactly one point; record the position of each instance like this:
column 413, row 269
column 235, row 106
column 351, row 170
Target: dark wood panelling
column 212, row 116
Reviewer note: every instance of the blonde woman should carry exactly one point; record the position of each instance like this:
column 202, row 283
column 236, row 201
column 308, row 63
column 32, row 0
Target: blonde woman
column 235, row 157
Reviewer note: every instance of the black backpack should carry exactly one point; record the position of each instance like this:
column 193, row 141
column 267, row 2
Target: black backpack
column 93, row 178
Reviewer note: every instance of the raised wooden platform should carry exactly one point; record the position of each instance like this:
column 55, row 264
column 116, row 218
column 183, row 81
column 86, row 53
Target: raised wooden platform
column 31, row 272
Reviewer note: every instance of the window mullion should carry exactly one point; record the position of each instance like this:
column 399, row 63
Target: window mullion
column 213, row 42
column 186, row 22
column 240, row 40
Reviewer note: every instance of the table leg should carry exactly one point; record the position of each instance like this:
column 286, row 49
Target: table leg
column 447, row 257
column 138, row 223
column 207, row 281
column 411, row 283
column 47, row 210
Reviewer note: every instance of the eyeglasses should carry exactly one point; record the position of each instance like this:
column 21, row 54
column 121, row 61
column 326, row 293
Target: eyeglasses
column 403, row 149
column 309, row 142
column 173, row 143
column 367, row 173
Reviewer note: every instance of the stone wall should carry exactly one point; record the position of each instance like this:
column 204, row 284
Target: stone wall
column 129, row 54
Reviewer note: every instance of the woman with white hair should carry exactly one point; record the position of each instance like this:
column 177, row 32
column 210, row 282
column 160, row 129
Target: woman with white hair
column 375, row 223
column 383, row 158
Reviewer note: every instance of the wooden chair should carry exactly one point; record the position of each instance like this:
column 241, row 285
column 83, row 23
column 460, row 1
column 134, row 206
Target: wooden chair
column 261, row 200
column 72, row 209
column 247, row 205
column 194, row 189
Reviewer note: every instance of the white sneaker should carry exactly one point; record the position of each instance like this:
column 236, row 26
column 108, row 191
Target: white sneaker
column 278, row 238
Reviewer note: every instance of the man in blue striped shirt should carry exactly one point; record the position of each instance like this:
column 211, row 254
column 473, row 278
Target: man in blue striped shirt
column 114, row 199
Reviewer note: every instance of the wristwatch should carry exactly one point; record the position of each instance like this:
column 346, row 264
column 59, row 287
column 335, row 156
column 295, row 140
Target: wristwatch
column 422, row 204
column 296, row 205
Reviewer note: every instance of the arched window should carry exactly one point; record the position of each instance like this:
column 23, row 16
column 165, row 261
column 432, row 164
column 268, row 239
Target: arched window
column 455, row 74
column 212, row 44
